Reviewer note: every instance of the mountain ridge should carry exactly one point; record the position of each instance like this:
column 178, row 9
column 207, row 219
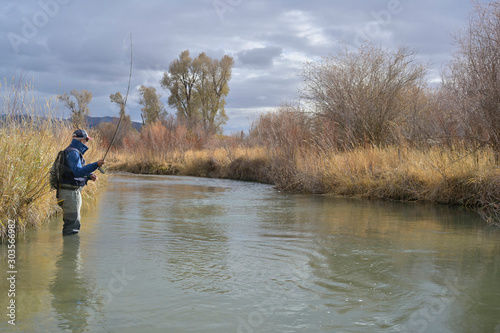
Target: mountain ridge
column 91, row 121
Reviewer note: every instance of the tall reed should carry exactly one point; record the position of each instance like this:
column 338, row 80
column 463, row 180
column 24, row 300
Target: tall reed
column 28, row 146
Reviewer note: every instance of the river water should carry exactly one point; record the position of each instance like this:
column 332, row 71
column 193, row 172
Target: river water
column 180, row 254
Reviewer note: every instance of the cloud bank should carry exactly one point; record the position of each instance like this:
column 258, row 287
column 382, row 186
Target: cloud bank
column 68, row 44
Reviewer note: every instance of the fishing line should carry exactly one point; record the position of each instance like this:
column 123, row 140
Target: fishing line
column 124, row 105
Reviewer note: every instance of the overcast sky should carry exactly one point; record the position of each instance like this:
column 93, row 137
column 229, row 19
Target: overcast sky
column 69, row 44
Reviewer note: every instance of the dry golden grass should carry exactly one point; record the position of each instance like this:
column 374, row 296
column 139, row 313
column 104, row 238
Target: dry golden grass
column 235, row 163
column 432, row 175
column 29, row 146
column 395, row 173
column 142, row 162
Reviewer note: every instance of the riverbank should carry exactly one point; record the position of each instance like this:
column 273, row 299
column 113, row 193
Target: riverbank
column 433, row 175
column 29, row 146
column 248, row 164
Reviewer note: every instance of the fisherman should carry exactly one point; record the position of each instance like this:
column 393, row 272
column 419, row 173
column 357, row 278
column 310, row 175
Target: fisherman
column 74, row 178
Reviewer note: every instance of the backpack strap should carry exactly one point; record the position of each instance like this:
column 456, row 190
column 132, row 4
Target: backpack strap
column 66, row 152
column 69, row 148
column 65, row 155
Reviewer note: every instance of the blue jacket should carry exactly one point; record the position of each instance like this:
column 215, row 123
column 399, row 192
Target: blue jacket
column 79, row 172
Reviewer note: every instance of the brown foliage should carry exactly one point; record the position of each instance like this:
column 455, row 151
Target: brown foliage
column 286, row 130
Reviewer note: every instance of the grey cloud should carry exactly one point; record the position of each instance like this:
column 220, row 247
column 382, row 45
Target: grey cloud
column 261, row 57
column 85, row 44
column 267, row 91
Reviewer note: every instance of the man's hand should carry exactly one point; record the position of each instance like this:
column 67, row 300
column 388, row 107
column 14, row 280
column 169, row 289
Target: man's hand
column 93, row 177
column 100, row 163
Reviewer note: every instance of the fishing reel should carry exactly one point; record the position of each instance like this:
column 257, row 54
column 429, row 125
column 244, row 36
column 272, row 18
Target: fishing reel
column 102, row 169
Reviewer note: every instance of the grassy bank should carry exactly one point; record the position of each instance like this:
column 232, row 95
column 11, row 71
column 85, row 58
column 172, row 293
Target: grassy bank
column 434, row 174
column 28, row 147
column 241, row 163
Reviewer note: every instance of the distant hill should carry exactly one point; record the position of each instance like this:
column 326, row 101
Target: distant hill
column 91, row 121
column 94, row 121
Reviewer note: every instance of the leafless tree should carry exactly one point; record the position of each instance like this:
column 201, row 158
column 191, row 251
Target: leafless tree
column 473, row 77
column 365, row 93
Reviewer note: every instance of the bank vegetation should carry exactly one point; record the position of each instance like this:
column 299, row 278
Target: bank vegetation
column 367, row 123
column 29, row 143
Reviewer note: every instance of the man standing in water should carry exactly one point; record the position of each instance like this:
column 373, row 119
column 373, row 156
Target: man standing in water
column 74, row 178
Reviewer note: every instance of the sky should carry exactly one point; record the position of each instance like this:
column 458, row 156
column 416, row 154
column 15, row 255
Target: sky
column 61, row 45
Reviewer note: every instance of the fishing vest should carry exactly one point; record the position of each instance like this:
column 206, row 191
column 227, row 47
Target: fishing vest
column 68, row 177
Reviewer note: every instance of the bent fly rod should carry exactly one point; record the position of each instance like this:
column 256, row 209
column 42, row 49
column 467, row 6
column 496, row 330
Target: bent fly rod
column 103, row 170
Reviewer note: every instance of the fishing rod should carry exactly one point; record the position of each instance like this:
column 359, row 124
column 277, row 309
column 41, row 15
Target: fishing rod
column 122, row 115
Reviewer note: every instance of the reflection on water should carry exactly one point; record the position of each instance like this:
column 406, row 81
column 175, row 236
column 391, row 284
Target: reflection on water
column 179, row 254
column 70, row 290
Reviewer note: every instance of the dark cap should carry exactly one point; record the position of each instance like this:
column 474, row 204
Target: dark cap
column 81, row 134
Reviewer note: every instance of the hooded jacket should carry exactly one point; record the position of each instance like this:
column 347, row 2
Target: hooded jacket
column 77, row 172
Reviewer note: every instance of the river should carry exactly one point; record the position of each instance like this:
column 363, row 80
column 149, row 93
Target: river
column 182, row 254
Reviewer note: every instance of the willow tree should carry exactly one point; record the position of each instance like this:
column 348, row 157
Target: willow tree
column 180, row 80
column 77, row 102
column 212, row 90
column 125, row 125
column 120, row 101
column 152, row 109
column 198, row 88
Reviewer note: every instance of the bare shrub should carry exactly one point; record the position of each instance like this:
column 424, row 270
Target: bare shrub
column 286, row 134
column 364, row 93
column 285, row 130
column 473, row 77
